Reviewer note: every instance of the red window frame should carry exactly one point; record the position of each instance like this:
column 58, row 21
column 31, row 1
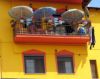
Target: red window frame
column 34, row 52
column 65, row 53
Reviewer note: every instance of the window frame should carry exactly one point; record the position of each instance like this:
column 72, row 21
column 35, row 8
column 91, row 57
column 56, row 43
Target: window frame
column 33, row 53
column 94, row 62
column 65, row 53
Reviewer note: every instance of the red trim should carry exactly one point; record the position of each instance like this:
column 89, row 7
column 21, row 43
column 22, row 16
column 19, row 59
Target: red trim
column 34, row 52
column 57, row 1
column 51, row 39
column 65, row 53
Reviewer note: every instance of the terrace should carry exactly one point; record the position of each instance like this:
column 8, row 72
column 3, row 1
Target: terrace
column 51, row 35
column 49, row 30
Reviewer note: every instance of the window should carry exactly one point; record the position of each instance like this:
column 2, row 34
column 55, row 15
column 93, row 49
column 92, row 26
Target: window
column 65, row 64
column 93, row 69
column 34, row 64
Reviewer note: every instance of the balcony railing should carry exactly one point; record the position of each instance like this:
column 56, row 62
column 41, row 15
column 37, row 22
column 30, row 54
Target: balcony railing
column 48, row 34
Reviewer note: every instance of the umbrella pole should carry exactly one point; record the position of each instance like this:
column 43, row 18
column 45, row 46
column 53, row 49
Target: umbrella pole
column 21, row 13
column 45, row 21
column 44, row 13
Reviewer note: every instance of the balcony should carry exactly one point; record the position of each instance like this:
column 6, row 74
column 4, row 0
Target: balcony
column 51, row 35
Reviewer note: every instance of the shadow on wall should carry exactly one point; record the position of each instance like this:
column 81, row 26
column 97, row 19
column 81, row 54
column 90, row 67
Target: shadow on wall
column 94, row 15
column 80, row 61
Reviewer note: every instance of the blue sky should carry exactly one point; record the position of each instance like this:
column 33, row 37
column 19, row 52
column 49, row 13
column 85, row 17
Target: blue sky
column 94, row 4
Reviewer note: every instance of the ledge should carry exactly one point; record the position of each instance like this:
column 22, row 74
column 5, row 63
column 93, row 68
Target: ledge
column 51, row 39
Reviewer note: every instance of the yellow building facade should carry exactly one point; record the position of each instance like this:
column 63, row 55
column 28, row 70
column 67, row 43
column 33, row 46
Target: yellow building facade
column 11, row 53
